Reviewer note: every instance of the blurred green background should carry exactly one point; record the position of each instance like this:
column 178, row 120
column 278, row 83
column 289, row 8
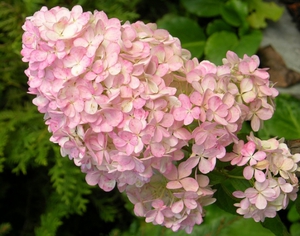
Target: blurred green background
column 42, row 193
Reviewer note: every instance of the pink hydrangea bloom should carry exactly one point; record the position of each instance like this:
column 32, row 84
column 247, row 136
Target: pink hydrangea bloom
column 131, row 108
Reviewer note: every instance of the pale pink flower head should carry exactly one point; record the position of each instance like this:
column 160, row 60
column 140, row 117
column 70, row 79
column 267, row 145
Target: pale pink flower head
column 217, row 110
column 186, row 113
column 261, row 194
column 258, row 112
column 249, row 154
column 180, row 178
column 127, row 104
column 231, row 58
column 249, row 64
column 247, row 90
column 60, row 23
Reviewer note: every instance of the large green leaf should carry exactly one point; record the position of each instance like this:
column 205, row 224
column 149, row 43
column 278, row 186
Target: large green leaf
column 218, row 25
column 235, row 12
column 276, row 226
column 215, row 177
column 218, row 44
column 297, row 205
column 285, row 121
column 225, row 199
column 249, row 43
column 293, row 215
column 191, row 35
column 220, row 223
column 204, row 8
column 295, row 229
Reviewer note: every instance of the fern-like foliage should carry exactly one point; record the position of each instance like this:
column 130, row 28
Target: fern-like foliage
column 68, row 198
column 69, row 184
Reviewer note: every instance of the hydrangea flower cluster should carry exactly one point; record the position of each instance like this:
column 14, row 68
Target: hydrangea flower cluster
column 271, row 166
column 131, row 108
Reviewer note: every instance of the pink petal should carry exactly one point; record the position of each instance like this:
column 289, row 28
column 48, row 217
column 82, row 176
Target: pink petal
column 91, row 107
column 205, row 165
column 174, row 185
column 182, row 133
column 238, row 194
column 138, row 103
column 246, row 85
column 135, row 126
column 189, row 184
column 214, row 103
column 158, row 203
column 261, row 202
column 248, row 149
column 157, row 149
column 188, row 119
column 248, row 172
column 112, row 34
column 244, row 67
column 250, row 192
column 260, row 155
column 269, row 193
column 150, row 216
column 255, row 123
column 92, row 178
column 179, row 113
column 249, row 96
column 264, row 113
column 38, row 55
column 287, row 164
column 259, row 175
column 167, row 120
column 287, row 188
column 139, row 209
column 185, row 168
column 190, row 203
column 177, row 207
column 185, row 101
column 159, row 218
column 232, row 57
column 113, row 117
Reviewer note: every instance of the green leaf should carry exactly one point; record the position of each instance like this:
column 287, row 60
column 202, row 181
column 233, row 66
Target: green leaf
column 218, row 44
column 218, row 25
column 215, row 177
column 216, row 222
column 224, row 197
column 260, row 11
column 220, row 223
column 248, row 44
column 178, row 26
column 285, row 121
column 246, row 227
column 297, row 205
column 293, row 214
column 234, row 12
column 276, row 226
column 204, row 8
column 237, row 179
column 295, row 229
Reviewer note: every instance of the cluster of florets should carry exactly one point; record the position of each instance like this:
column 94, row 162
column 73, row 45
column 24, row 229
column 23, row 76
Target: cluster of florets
column 127, row 104
column 271, row 168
